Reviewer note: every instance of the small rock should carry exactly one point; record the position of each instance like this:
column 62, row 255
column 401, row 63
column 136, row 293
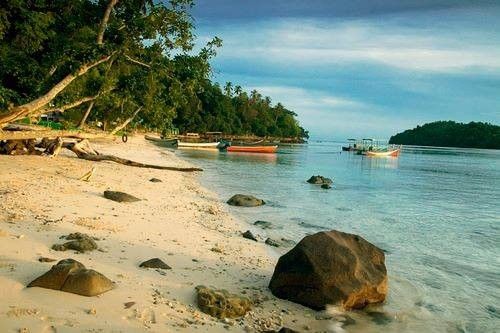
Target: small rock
column 44, row 259
column 79, row 242
column 71, row 276
column 120, row 196
column 263, row 224
column 92, row 311
column 216, row 249
column 155, row 180
column 248, row 235
column 272, row 242
column 155, row 263
column 243, row 200
column 222, row 304
column 128, row 305
column 319, row 180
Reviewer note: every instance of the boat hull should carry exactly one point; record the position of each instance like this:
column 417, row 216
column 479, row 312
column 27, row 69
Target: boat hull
column 168, row 143
column 389, row 153
column 253, row 149
column 195, row 145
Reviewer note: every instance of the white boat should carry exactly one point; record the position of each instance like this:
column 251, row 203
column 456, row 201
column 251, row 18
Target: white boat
column 196, row 145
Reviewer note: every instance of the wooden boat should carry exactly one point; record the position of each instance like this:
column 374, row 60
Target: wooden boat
column 387, row 153
column 168, row 143
column 253, row 149
column 198, row 145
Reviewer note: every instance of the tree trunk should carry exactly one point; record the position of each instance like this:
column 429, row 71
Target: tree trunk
column 104, row 22
column 24, row 110
column 86, row 115
column 126, row 122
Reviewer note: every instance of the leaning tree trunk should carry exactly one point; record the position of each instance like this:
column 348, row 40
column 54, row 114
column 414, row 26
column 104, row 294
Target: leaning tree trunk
column 86, row 115
column 104, row 22
column 24, row 110
column 126, row 122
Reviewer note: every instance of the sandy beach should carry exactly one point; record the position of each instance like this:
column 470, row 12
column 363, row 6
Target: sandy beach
column 176, row 220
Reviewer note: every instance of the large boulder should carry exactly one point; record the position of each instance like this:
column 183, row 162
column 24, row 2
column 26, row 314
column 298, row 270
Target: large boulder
column 220, row 303
column 331, row 267
column 71, row 276
column 245, row 201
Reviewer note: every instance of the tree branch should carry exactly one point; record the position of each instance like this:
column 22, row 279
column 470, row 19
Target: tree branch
column 135, row 61
column 28, row 108
column 104, row 22
column 125, row 123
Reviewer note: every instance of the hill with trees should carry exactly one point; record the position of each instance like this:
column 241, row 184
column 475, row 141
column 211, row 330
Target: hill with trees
column 115, row 61
column 451, row 134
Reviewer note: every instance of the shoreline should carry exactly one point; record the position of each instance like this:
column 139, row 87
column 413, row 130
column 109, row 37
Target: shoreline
column 177, row 220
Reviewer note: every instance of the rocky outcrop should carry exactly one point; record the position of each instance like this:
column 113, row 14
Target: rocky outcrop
column 155, row 263
column 319, row 180
column 243, row 200
column 71, row 276
column 221, row 304
column 78, row 242
column 331, row 267
column 120, row 196
column 249, row 235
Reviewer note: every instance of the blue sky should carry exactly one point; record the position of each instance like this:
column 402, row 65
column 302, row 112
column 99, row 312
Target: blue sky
column 361, row 68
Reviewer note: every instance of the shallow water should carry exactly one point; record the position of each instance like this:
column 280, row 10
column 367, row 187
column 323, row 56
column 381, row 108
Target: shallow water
column 435, row 211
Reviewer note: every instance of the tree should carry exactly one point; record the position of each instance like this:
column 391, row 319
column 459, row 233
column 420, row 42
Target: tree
column 61, row 44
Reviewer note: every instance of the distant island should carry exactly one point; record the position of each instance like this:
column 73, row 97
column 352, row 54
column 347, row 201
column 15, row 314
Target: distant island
column 451, row 134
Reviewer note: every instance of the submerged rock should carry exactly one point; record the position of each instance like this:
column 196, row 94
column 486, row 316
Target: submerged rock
column 243, row 200
column 248, row 235
column 120, row 196
column 155, row 263
column 45, row 259
column 79, row 242
column 319, row 180
column 326, row 186
column 263, row 224
column 283, row 330
column 71, row 276
column 331, row 267
column 221, row 304
column 272, row 242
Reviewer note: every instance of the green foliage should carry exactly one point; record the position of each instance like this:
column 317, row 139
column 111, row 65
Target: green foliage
column 451, row 134
column 215, row 109
column 152, row 68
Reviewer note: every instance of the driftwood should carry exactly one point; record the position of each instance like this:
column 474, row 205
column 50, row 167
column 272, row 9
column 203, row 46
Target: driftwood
column 84, row 150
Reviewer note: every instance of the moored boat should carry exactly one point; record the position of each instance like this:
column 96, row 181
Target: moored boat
column 168, row 143
column 387, row 153
column 200, row 145
column 253, row 149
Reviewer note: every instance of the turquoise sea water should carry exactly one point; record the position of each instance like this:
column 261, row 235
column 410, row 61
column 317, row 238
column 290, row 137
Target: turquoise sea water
column 435, row 211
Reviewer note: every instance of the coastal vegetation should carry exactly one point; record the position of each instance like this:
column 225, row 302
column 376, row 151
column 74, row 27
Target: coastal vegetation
column 121, row 61
column 451, row 134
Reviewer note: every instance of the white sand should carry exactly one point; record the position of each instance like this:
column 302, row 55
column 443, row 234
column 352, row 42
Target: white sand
column 42, row 199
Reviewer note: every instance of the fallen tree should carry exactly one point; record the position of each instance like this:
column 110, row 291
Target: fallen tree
column 81, row 147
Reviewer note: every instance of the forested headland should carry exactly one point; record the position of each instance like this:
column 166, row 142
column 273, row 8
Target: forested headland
column 451, row 134
column 120, row 61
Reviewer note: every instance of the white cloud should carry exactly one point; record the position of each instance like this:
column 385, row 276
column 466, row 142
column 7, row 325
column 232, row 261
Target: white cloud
column 311, row 43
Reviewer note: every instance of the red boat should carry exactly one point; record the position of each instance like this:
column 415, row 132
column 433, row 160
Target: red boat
column 253, row 149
